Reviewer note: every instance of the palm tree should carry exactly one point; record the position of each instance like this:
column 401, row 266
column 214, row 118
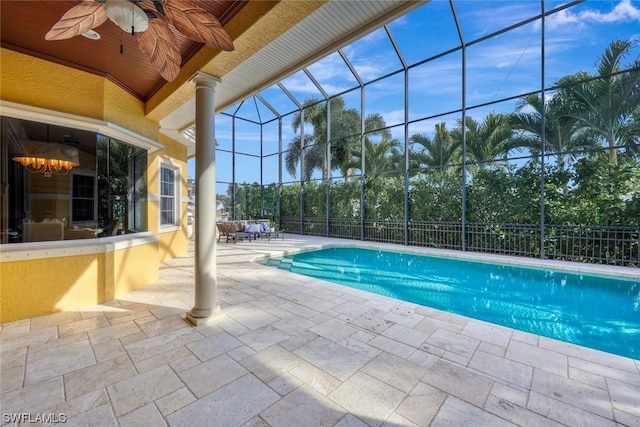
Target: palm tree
column 379, row 157
column 604, row 106
column 436, row 152
column 345, row 135
column 559, row 127
column 487, row 141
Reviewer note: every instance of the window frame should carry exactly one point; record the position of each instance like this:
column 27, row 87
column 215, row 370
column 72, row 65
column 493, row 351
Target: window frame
column 177, row 196
column 84, row 223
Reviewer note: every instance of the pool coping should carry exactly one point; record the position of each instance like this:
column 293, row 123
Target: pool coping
column 566, row 266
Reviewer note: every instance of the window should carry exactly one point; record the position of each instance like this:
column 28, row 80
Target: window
column 83, row 199
column 169, row 195
column 108, row 184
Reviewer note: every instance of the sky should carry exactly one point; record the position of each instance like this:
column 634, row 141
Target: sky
column 496, row 68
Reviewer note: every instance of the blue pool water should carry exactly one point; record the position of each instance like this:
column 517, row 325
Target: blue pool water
column 592, row 311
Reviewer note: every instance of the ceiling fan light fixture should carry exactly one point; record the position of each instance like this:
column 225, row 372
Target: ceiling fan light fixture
column 127, row 15
column 91, row 34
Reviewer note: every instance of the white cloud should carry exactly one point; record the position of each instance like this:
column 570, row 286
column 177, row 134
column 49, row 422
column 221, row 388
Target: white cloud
column 623, row 12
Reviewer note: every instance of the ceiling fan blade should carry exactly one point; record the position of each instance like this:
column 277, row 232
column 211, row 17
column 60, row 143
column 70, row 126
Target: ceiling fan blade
column 79, row 19
column 197, row 24
column 161, row 46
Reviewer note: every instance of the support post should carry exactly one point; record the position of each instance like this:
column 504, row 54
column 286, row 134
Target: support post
column 206, row 301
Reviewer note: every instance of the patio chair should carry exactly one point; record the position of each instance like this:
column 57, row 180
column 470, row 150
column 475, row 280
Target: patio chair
column 230, row 231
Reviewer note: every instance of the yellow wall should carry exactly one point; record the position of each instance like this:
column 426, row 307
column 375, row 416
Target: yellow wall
column 42, row 286
column 175, row 243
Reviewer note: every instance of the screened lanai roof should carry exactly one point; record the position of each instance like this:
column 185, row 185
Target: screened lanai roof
column 346, row 46
column 332, row 25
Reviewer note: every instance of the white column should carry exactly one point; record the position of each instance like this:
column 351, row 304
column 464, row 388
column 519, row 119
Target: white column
column 206, row 300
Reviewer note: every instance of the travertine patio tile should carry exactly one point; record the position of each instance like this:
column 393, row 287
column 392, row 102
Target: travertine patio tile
column 361, row 347
column 60, row 342
column 373, row 322
column 424, row 359
column 146, row 416
column 17, row 327
column 455, row 412
column 454, row 342
column 625, row 398
column 406, row 335
column 311, row 301
column 607, row 371
column 230, row 406
column 589, row 355
column 135, row 392
column 403, row 316
column 525, row 337
column 396, row 419
column 587, row 378
column 111, row 332
column 270, row 363
column 97, row 376
column 350, row 308
column 98, row 416
column 351, row 421
column 206, row 377
column 54, row 319
column 231, row 326
column 303, row 407
column 586, row 397
column 502, row 369
column 422, row 404
column 483, row 331
column 334, row 330
column 259, row 339
column 293, row 324
column 315, row 378
column 162, row 312
column 494, row 349
column 333, row 358
column 185, row 363
column 540, row 358
column 516, row 414
column 32, row 399
column 459, row 382
column 83, row 326
column 284, row 384
column 395, row 371
column 16, row 357
column 214, row 345
column 564, row 413
column 162, row 359
column 300, row 310
column 80, row 404
column 175, row 401
column 11, row 378
column 367, row 398
column 242, row 352
column 156, row 327
column 149, row 347
column 56, row 361
column 511, row 394
column 253, row 318
column 12, row 342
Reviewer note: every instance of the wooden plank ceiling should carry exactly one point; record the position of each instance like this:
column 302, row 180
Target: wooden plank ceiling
column 24, row 24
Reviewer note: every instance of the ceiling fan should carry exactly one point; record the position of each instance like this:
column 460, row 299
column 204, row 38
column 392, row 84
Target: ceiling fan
column 148, row 21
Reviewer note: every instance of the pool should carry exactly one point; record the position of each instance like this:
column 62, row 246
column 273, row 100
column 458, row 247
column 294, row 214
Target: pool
column 593, row 311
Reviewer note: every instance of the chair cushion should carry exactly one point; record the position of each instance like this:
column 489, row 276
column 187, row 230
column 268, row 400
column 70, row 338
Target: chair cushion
column 252, row 228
